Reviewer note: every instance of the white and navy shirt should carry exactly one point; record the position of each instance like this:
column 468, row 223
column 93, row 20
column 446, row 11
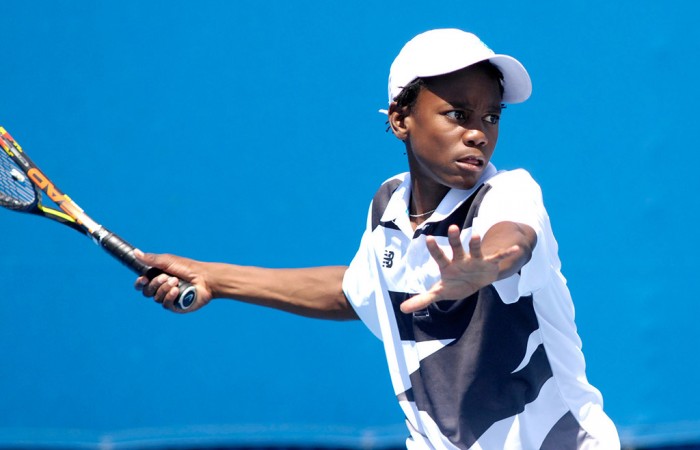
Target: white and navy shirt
column 501, row 369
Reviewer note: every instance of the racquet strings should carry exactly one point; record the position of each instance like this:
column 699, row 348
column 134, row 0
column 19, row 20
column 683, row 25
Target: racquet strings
column 16, row 189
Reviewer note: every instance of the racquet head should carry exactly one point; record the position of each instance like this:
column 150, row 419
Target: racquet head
column 20, row 192
column 21, row 187
column 16, row 189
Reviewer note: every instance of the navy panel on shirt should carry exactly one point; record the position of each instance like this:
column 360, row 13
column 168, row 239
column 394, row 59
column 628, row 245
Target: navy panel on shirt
column 488, row 334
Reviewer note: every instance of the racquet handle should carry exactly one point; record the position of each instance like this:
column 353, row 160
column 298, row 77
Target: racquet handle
column 124, row 252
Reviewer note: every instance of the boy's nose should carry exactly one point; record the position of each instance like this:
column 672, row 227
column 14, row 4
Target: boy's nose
column 473, row 137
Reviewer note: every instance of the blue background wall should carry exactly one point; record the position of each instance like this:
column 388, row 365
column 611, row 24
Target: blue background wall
column 247, row 132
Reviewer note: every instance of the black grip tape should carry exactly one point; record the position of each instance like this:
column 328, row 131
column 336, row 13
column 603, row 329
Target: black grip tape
column 124, row 252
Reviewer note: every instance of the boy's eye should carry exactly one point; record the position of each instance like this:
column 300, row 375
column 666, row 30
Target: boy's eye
column 456, row 115
column 492, row 118
column 461, row 116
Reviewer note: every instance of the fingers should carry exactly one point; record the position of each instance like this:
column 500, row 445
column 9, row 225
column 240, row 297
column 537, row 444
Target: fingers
column 140, row 283
column 436, row 252
column 164, row 287
column 419, row 302
column 454, row 239
column 164, row 290
column 502, row 254
column 167, row 263
column 475, row 250
column 459, row 253
column 475, row 247
column 463, row 273
column 158, row 287
column 169, row 294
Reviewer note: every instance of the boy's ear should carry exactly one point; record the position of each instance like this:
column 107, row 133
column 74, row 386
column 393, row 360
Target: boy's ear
column 397, row 120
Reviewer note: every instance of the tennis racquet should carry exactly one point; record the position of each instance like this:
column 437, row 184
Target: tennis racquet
column 21, row 188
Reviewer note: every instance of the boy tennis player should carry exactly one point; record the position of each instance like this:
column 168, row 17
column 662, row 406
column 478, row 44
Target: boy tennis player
column 457, row 271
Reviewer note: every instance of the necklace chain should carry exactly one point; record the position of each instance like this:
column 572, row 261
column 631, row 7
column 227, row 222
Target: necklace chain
column 421, row 215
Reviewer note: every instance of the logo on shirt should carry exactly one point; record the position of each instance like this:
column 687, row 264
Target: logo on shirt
column 388, row 260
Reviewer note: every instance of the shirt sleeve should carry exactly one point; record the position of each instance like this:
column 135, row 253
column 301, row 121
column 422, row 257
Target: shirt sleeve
column 516, row 197
column 359, row 284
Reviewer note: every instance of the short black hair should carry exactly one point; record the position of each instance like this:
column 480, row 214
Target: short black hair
column 409, row 93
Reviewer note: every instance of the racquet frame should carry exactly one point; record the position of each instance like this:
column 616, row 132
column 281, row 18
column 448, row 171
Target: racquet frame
column 72, row 215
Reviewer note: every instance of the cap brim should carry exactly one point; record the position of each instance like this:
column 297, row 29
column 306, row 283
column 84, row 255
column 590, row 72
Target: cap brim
column 517, row 86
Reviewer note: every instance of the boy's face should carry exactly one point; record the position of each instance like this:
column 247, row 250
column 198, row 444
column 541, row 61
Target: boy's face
column 451, row 131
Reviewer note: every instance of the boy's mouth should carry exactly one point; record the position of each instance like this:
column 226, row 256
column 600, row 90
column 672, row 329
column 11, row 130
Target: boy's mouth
column 472, row 162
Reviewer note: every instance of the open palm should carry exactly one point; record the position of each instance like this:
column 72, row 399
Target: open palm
column 463, row 274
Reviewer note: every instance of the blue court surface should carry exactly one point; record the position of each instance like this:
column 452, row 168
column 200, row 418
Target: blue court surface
column 247, row 132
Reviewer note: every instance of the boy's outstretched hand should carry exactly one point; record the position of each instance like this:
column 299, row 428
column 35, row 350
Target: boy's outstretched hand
column 163, row 288
column 462, row 275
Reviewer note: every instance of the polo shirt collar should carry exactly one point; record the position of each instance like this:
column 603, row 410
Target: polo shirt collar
column 397, row 209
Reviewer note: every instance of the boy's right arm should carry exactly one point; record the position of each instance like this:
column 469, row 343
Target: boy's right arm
column 311, row 292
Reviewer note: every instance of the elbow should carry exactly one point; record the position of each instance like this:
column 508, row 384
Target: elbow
column 342, row 310
column 529, row 241
column 526, row 243
column 507, row 234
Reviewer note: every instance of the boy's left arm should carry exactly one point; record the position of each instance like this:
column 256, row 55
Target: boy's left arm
column 507, row 234
column 504, row 249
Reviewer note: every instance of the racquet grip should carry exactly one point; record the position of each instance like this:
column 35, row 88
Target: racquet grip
column 124, row 252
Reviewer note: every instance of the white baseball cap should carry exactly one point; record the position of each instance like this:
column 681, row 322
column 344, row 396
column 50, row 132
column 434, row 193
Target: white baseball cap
column 442, row 51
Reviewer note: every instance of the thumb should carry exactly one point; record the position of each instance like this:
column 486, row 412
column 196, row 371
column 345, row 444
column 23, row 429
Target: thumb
column 149, row 258
column 419, row 302
column 169, row 264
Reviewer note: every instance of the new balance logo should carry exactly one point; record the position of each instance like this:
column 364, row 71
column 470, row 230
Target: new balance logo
column 388, row 260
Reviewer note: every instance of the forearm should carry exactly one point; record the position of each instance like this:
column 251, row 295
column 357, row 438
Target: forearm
column 504, row 235
column 311, row 292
